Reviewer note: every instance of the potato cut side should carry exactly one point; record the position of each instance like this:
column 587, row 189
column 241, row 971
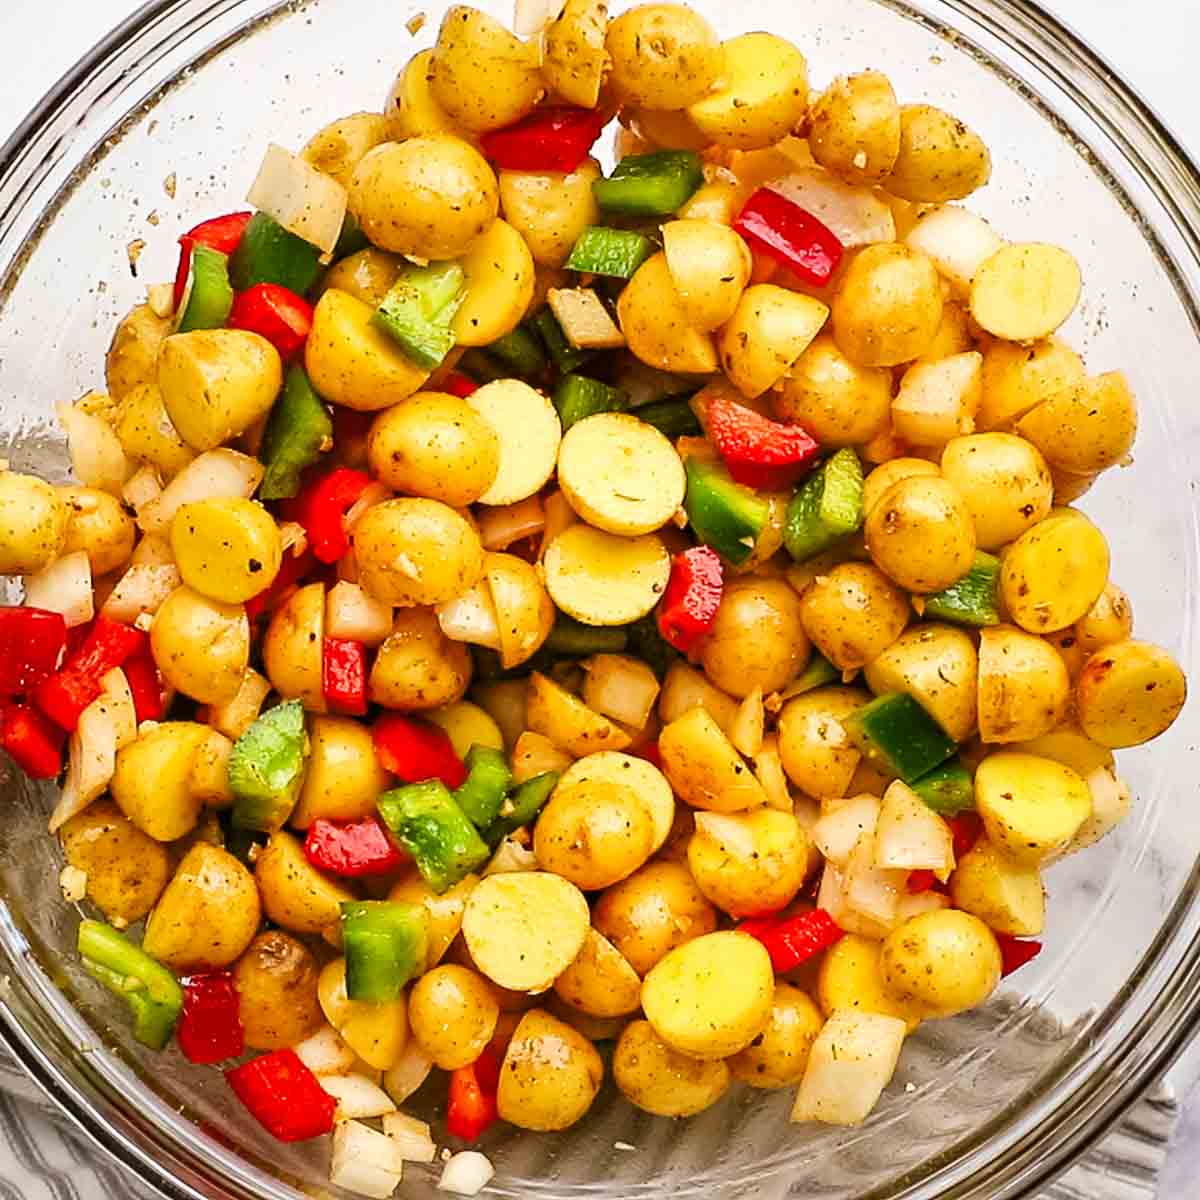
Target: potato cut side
column 937, row 401
column 562, row 717
column 600, row 981
column 704, row 768
column 1004, row 894
column 850, row 977
column 657, row 325
column 770, row 328
column 1128, row 693
column 529, row 431
column 1025, row 291
column 498, row 286
column 643, row 777
column 1085, row 428
column 710, row 266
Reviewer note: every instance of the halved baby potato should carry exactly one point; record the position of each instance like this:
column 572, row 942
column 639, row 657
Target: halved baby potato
column 602, row 579
column 498, row 286
column 529, row 431
column 1025, row 291
column 770, row 328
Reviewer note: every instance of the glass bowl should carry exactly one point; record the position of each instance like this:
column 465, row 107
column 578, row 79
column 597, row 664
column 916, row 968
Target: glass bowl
column 165, row 122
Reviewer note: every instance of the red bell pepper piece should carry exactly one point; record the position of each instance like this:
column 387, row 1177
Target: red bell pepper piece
column 344, row 675
column 791, row 235
column 293, row 568
column 458, row 384
column 33, row 742
column 921, row 881
column 219, row 233
column 760, row 453
column 472, row 1102
column 352, row 849
column 284, row 1096
column 793, row 940
column 145, row 685
column 689, row 605
column 210, row 1030
column 650, row 753
column 276, row 313
column 32, row 641
column 967, row 829
column 416, row 751
column 64, row 695
column 321, row 507
column 550, row 139
column 1016, row 952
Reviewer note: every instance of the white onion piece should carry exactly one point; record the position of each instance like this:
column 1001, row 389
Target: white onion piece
column 768, row 768
column 511, row 858
column 235, row 717
column 141, row 590
column 1111, row 802
column 65, row 586
column 325, row 1053
column 216, row 474
column 141, row 488
column 357, row 1097
column 293, row 537
column 913, row 905
column 871, row 891
column 471, row 618
column 532, row 16
column 727, row 831
column 96, row 454
column 412, row 1137
column 500, row 527
column 373, row 494
column 305, row 201
column 154, row 550
column 411, row 1070
column 160, row 298
column 957, row 240
column 364, row 1160
column 910, row 836
column 621, row 688
column 356, row 616
column 838, row 831
column 466, row 1174
column 856, row 215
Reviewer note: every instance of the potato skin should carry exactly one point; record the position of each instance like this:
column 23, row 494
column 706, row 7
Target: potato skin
column 227, row 548
column 1128, row 693
column 295, row 895
column 452, row 1013
column 853, row 614
column 33, row 524
column 946, row 961
column 778, row 1056
column 367, row 275
column 531, row 1097
column 685, row 60
column 1024, row 688
column 340, row 146
column 704, row 768
column 418, row 667
column 134, row 350
column 657, row 325
column 1109, row 620
column 854, row 128
column 201, row 646
column 276, row 980
column 1018, row 378
column 939, row 158
column 662, row 1081
column 817, row 755
column 600, row 982
column 748, row 863
column 292, row 647
column 342, row 776
column 1006, row 895
column 549, row 209
column 152, row 784
column 146, row 433
column 99, row 525
column 377, row 1033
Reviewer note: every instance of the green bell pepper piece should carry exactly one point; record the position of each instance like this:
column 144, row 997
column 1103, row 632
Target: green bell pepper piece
column 298, row 428
column 827, row 508
column 522, row 806
column 577, row 397
column 385, row 943
column 723, row 514
column 895, row 733
column 210, row 296
column 417, row 312
column 435, row 831
column 971, row 600
column 573, row 639
column 650, row 185
column 648, row 644
column 673, row 418
column 482, row 793
column 268, row 253
column 947, row 789
column 614, row 252
column 818, row 673
column 266, row 769
column 564, row 356
column 520, row 350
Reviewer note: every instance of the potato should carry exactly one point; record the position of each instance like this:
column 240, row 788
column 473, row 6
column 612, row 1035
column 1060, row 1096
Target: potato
column 709, row 266
column 839, row 403
column 350, row 362
column 523, row 930
column 201, row 646
column 1031, row 807
column 377, row 1033
column 1070, row 746
column 133, row 354
column 208, row 914
column 600, row 981
column 1018, row 378
column 210, row 771
column 704, row 769
column 550, row 209
column 770, row 328
column 657, row 324
column 937, row 665
column 530, row 1096
column 276, row 981
column 685, row 688
column 1024, row 688
column 227, row 549
column 33, row 524
column 945, row 961
column 663, row 56
column 529, row 431
column 342, row 775
column 883, row 476
column 939, row 158
column 662, row 1081
column 645, row 779
column 367, row 275
column 601, row 578
column 418, row 667
column 1129, row 692
column 126, row 869
column 452, row 1014
column 712, row 996
column 761, row 93
column 817, row 753
column 1109, row 620
column 292, row 647
column 152, row 781
column 1087, row 427
column 888, row 306
column 295, row 895
column 466, row 725
column 147, row 434
column 434, row 445
column 567, row 721
column 719, row 200
column 499, row 286
column 748, row 863
column 938, row 398
column 1004, row 894
column 484, row 77
column 216, row 383
column 955, row 335
column 411, row 110
column 339, row 147
column 524, row 610
column 778, row 1056
column 958, row 241
column 920, row 534
column 574, row 59
column 1025, row 291
column 854, row 128
column 853, row 614
column 445, row 910
column 99, row 525
column 593, row 832
column 850, row 976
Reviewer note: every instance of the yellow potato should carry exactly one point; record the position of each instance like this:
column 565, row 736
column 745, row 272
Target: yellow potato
column 133, row 355
column 146, row 433
column 657, row 324
column 1025, row 291
column 467, row 725
column 499, row 285
column 342, row 775
column 418, row 667
column 645, row 779
column 574, row 60
column 1109, row 620
column 601, row 981
column 201, row 646
column 530, row 1096
column 685, row 688
column 529, row 431
column 761, row 94
column 717, row 201
column 339, row 147
column 854, row 128
column 377, row 1033
column 410, row 110
column 662, row 1081
column 1087, row 427
column 367, row 275
column 99, row 525
column 663, row 56
column 712, row 996
column 208, row 914
column 1017, row 378
column 292, row 647
column 550, row 209
column 850, row 976
column 1004, row 894
column 452, row 1013
column 276, row 981
column 1024, row 688
column 1128, row 693
column 600, row 578
column 748, row 863
column 770, row 328
column 227, row 549
column 295, row 895
column 210, row 771
column 704, row 768
column 939, row 158
column 892, row 471
column 709, row 266
column 778, row 1056
column 817, row 753
column 444, row 910
column 152, row 781
column 524, row 610
column 938, row 397
column 1069, row 745
column 945, row 961
column 563, row 718
column 33, row 524
column 853, row 614
column 1031, row 807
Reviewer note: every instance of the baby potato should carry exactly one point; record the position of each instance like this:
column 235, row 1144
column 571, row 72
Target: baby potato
column 761, row 93
column 888, row 306
column 1087, row 427
column 367, row 275
column 342, row 775
column 758, row 639
column 657, row 324
column 817, row 753
column 434, row 445
column 850, row 976
column 663, row 56
column 574, row 59
column 854, row 128
column 563, row 718
column 532, row 1097
column 524, row 610
column 1069, row 745
column 778, row 1056
column 656, row 909
column 430, row 196
column 216, row 383
column 892, row 471
column 748, row 863
column 593, row 833
column 1031, row 807
column 704, row 768
column 33, row 524
column 276, row 981
column 292, row 647
column 660, row 1080
column 126, row 869
column 227, row 548
column 295, row 895
column 529, row 430
column 939, row 158
column 937, row 398
column 1018, row 378
column 601, row 578
column 133, row 354
column 945, row 961
column 712, row 996
column 710, row 267
column 377, row 1033
column 201, row 646
column 100, row 526
column 937, row 665
column 853, row 614
column 550, row 209
column 770, row 328
column 839, row 403
column 920, row 534
column 1004, row 482
column 467, row 724
column 718, row 201
column 1004, row 894
column 1025, row 291
column 418, row 667
column 339, row 147
column 484, row 77
column 413, row 551
column 600, row 982
column 1128, row 693
column 411, row 110
column 452, row 1013
column 146, row 433
column 152, row 783
column 499, row 286
column 208, row 914
column 1109, row 620
column 1024, row 687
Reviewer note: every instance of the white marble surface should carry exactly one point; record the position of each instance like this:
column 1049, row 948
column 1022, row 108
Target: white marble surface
column 1151, row 42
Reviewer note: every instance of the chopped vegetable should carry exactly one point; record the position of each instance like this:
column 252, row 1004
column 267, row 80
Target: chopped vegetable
column 458, row 384
column 572, row 639
column 971, row 600
column 64, row 695
column 650, row 185
column 522, row 806
column 948, row 789
column 897, row 734
column 364, row 1161
column 1016, row 952
column 520, row 350
column 276, row 313
column 566, row 358
column 298, row 429
column 819, row 672
column 145, row 685
column 672, row 418
column 385, row 945
column 435, row 831
column 418, row 310
column 792, row 237
column 268, row 253
column 64, row 587
column 210, row 1030
column 471, row 1107
column 482, row 793
column 307, row 203
column 723, row 514
column 31, row 740
column 284, row 1096
column 689, row 605
column 321, row 507
column 344, row 675
column 415, row 751
column 466, row 1173
column 223, row 234
column 791, row 941
column 827, row 508
column 32, row 641
column 352, row 849
column 208, row 297
column 614, row 252
column 584, row 320
column 759, row 453
column 550, row 139
column 267, row 768
column 578, row 397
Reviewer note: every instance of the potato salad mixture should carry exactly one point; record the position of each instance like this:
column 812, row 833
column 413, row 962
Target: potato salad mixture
column 518, row 624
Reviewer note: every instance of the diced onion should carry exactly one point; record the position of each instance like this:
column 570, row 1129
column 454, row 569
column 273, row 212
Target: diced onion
column 855, row 215
column 532, row 16
column 1111, row 802
column 411, row 1070
column 746, row 732
column 838, row 831
column 216, row 474
column 357, row 1097
column 466, row 1174
column 364, row 1160
column 325, row 1053
column 356, row 616
column 141, row 590
column 910, row 836
column 768, row 767
column 621, row 688
column 373, row 494
column 96, row 455
column 412, row 1137
column 510, row 858
column 585, row 321
column 471, row 618
column 725, row 830
column 293, row 537
column 141, row 488
column 500, row 527
column 235, row 717
column 305, row 201
column 914, row 904
column 871, row 891
column 957, row 240
column 72, row 882
column 154, row 550
column 65, row 586
column 160, row 299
